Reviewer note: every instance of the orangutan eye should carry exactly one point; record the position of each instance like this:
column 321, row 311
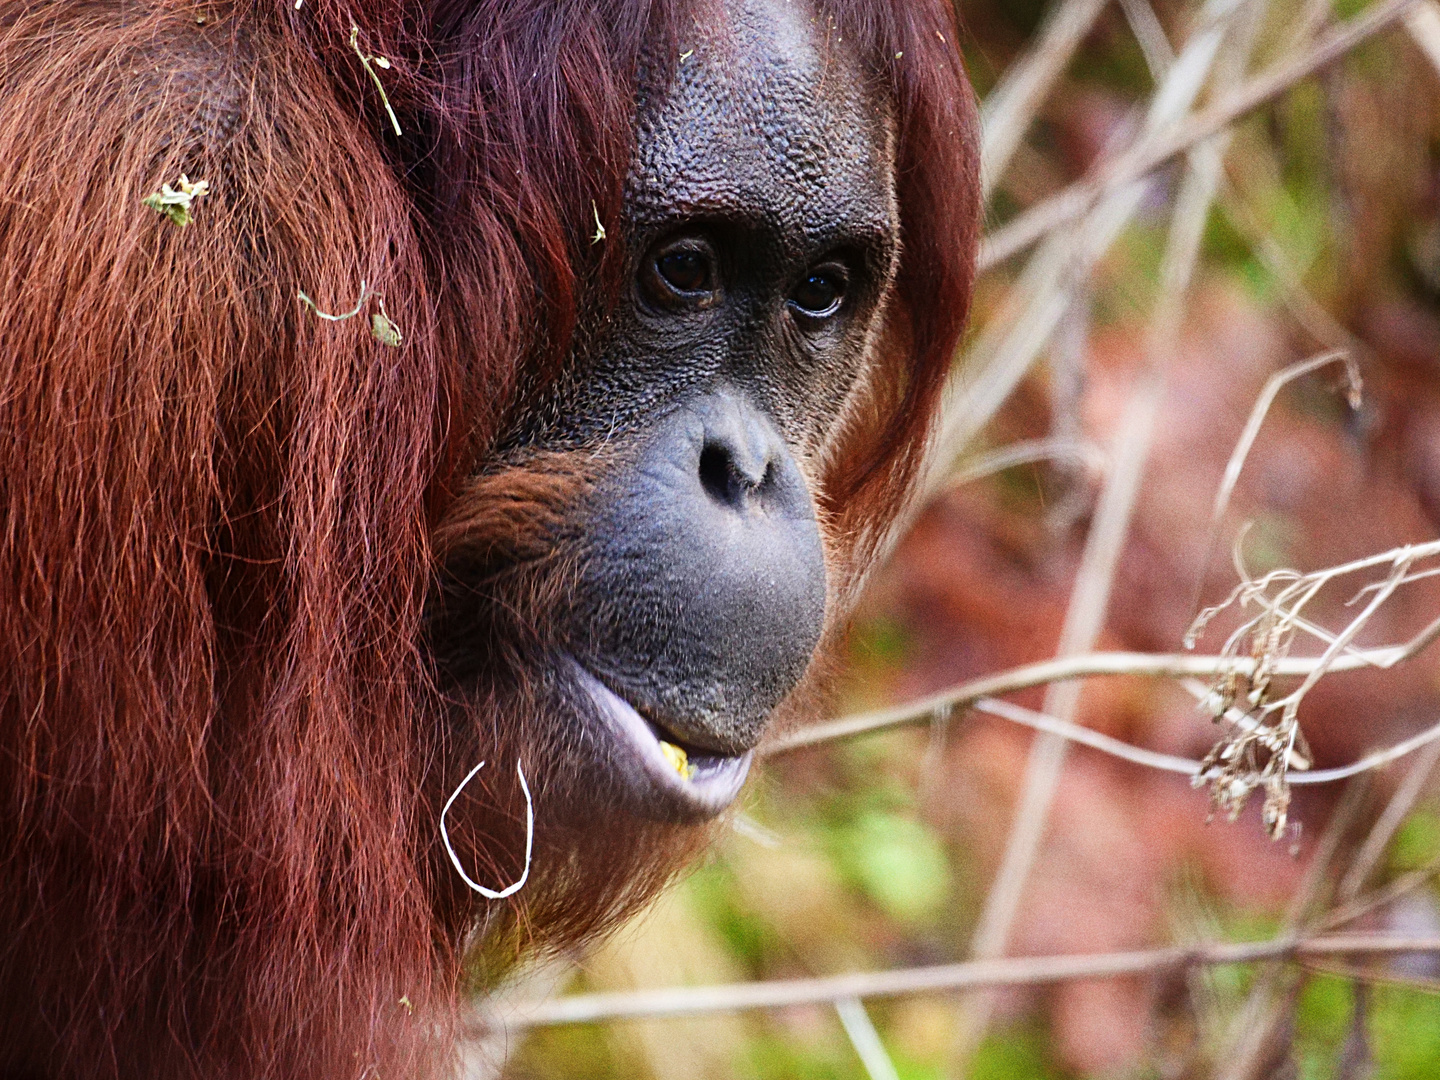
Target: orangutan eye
column 821, row 292
column 682, row 274
column 684, row 271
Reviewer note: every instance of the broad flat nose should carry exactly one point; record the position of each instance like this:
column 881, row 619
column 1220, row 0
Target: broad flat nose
column 742, row 456
column 708, row 574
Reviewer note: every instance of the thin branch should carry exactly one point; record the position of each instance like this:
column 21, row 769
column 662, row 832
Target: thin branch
column 865, row 1039
column 1010, row 971
column 1028, row 452
column 1373, row 977
column 1068, row 729
column 1161, row 665
column 1076, row 200
column 1251, row 431
column 1150, row 36
column 1153, row 759
column 1386, row 894
column 1423, row 25
column 495, row 1012
column 1379, row 758
column 1238, row 200
column 1007, row 347
column 1396, row 810
column 1009, row 108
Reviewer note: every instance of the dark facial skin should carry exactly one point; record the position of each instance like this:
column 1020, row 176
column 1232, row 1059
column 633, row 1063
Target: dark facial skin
column 766, row 160
column 762, row 236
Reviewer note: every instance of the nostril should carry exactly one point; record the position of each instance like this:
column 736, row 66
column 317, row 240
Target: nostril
column 718, row 475
column 727, row 480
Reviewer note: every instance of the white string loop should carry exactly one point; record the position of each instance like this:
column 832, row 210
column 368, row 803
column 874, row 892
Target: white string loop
column 491, row 894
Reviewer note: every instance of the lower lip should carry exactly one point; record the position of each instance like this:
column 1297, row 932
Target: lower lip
column 714, row 782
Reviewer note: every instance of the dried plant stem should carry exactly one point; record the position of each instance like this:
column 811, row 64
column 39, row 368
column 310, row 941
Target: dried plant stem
column 1385, row 825
column 1423, row 24
column 1261, row 744
column 1319, row 879
column 365, row 61
column 1076, row 200
column 494, row 1012
column 1371, row 977
column 1386, row 894
column 1258, row 412
column 1027, row 452
column 1252, row 1029
column 1153, row 665
column 305, row 299
column 1150, row 35
column 382, row 327
column 972, row 975
column 1008, row 109
column 860, row 1030
column 1009, row 345
column 1073, row 732
column 1065, row 729
column 1085, row 615
column 1238, row 202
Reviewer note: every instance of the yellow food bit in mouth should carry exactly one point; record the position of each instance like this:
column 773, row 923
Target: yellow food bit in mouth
column 678, row 759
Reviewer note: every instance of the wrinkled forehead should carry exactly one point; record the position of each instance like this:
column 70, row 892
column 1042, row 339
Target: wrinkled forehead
column 760, row 104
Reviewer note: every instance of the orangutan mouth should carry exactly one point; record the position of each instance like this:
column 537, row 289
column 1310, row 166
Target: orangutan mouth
column 692, row 784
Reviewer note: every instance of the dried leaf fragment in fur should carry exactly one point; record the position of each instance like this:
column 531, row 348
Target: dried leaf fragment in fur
column 382, row 327
column 384, row 330
column 380, row 62
column 175, row 203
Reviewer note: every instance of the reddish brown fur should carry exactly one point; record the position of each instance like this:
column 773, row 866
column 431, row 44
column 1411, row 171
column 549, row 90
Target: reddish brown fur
column 221, row 748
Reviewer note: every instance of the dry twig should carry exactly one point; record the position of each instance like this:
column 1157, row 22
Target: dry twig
column 382, row 327
column 1009, row 108
column 381, row 62
column 971, row 975
column 1151, row 665
column 1076, row 200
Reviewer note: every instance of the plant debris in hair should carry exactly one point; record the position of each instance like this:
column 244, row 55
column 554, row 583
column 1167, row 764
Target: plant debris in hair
column 175, row 203
column 380, row 62
column 382, row 327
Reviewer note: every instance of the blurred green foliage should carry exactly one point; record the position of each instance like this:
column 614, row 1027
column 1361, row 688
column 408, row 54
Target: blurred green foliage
column 1009, row 1055
column 1403, row 1028
column 896, row 862
column 1417, row 842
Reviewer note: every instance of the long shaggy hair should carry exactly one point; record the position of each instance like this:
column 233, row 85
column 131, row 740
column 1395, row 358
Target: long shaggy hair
column 223, row 743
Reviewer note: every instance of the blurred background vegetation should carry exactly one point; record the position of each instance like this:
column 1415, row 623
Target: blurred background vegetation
column 878, row 853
